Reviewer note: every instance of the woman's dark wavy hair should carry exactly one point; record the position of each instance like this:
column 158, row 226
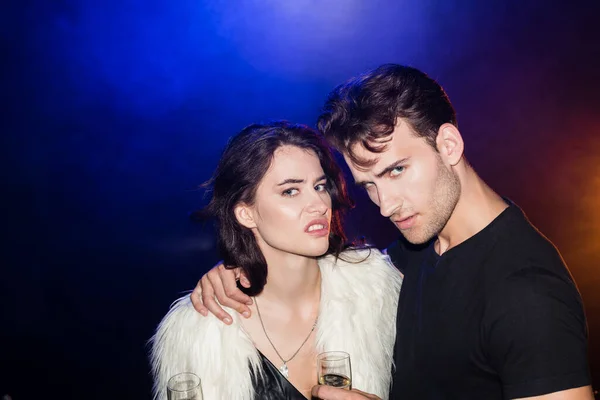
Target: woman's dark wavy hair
column 243, row 164
column 364, row 109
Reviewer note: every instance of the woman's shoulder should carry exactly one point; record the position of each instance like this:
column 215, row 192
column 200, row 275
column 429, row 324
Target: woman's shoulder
column 186, row 341
column 181, row 310
column 359, row 298
column 182, row 319
column 179, row 329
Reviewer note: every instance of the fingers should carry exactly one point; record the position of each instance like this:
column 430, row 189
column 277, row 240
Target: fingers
column 196, row 297
column 227, row 292
column 211, row 287
column 366, row 395
column 220, row 284
column 229, row 278
column 331, row 393
column 245, row 283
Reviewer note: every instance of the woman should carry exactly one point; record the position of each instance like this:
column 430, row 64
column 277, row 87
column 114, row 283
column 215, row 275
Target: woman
column 278, row 197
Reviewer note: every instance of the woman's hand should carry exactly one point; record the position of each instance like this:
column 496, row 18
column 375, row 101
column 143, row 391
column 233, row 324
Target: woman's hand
column 220, row 282
column 331, row 393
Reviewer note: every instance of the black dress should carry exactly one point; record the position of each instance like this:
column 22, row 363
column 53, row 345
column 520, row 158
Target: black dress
column 273, row 385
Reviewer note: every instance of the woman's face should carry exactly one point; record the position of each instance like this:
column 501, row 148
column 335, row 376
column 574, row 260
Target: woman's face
column 292, row 208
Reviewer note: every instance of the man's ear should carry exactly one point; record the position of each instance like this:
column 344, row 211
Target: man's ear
column 450, row 144
column 245, row 215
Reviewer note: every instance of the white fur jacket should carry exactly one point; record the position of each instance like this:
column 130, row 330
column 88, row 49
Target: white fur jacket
column 357, row 315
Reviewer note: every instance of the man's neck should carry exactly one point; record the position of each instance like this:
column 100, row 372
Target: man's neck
column 477, row 207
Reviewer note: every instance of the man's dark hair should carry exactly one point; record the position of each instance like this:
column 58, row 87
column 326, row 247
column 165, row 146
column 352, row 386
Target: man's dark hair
column 241, row 168
column 365, row 109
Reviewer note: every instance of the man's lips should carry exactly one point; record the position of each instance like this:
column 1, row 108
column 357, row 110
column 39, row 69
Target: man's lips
column 406, row 222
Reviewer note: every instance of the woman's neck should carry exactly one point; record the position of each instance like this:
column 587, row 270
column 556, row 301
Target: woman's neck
column 293, row 281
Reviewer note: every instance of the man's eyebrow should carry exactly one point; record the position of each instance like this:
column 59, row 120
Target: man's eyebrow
column 385, row 171
column 391, row 167
column 290, row 180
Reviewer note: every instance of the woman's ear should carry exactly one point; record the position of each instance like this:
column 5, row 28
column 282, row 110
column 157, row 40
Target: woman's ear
column 245, row 215
column 450, row 144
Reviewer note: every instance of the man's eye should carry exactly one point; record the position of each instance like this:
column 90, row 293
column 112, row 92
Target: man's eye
column 290, row 192
column 396, row 171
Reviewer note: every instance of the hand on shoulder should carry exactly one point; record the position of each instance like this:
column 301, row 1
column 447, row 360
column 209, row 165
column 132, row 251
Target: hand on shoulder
column 217, row 288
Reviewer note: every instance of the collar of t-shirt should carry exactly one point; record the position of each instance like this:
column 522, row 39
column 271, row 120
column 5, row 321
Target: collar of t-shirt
column 476, row 244
column 482, row 240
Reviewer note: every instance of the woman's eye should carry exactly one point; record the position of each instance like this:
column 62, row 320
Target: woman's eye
column 321, row 187
column 397, row 171
column 290, row 192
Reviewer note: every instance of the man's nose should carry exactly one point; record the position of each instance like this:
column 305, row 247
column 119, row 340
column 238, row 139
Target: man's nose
column 387, row 204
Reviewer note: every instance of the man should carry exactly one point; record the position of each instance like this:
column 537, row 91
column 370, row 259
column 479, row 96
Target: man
column 488, row 310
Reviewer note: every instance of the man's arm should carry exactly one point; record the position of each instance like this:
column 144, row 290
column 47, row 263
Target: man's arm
column 582, row 393
column 537, row 336
column 221, row 282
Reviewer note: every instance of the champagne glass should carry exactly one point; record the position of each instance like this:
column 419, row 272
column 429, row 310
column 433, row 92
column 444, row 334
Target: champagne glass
column 184, row 386
column 334, row 369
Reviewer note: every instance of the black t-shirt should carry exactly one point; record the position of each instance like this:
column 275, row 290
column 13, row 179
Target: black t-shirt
column 496, row 317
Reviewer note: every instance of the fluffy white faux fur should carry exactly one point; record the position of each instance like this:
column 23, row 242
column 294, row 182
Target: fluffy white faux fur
column 357, row 315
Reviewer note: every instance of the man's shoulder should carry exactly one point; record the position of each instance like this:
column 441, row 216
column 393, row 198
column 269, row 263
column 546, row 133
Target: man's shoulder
column 522, row 247
column 525, row 266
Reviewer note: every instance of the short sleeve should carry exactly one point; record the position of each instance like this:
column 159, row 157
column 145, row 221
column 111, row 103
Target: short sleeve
column 537, row 334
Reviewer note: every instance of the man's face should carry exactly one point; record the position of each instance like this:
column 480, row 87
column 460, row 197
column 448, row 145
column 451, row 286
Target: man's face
column 410, row 183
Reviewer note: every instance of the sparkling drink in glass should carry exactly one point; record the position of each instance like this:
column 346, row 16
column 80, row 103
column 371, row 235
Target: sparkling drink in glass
column 184, row 386
column 334, row 369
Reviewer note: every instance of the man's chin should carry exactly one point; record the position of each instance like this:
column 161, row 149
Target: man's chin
column 416, row 238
